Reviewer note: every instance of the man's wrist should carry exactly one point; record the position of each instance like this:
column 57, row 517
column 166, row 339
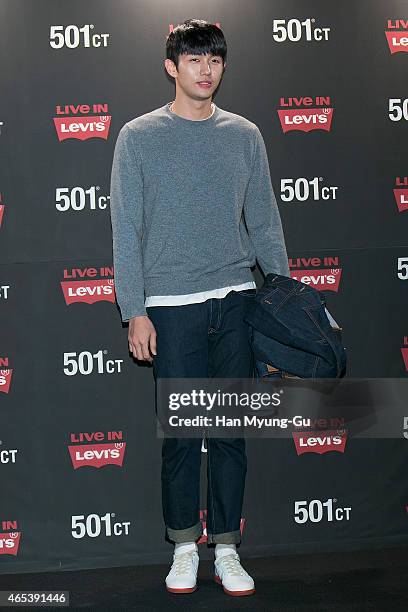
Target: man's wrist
column 137, row 316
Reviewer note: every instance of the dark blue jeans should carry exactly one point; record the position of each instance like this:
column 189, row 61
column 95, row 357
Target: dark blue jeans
column 292, row 332
column 208, row 339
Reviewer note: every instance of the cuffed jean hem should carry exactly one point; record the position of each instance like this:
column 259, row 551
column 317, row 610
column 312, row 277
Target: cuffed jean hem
column 230, row 537
column 185, row 535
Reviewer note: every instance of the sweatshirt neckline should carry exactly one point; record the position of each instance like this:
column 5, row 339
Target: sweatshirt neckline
column 196, row 122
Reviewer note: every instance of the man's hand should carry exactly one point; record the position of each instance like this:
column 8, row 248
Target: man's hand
column 142, row 338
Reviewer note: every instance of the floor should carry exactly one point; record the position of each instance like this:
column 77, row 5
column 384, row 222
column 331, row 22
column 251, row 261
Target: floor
column 358, row 581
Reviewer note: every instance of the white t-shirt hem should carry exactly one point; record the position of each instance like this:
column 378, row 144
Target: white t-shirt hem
column 194, row 298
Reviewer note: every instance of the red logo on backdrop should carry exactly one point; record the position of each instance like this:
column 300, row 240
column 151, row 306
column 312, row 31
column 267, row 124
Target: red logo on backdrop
column 9, row 541
column 98, row 454
column 404, row 352
column 203, row 519
column 82, row 121
column 319, row 441
column 5, row 375
column 304, row 113
column 1, row 210
column 88, row 289
column 396, row 35
column 316, row 272
column 401, row 194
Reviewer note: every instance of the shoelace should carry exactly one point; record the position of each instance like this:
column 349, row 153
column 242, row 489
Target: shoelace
column 232, row 564
column 182, row 562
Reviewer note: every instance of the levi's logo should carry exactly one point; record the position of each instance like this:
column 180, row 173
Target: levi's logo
column 5, row 375
column 401, row 193
column 9, row 541
column 322, row 273
column 396, row 35
column 97, row 454
column 404, row 352
column 320, row 279
column 1, row 209
column 305, row 113
column 319, row 441
column 82, row 121
column 88, row 289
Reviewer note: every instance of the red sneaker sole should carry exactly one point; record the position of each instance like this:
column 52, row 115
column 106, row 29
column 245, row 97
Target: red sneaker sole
column 189, row 590
column 235, row 593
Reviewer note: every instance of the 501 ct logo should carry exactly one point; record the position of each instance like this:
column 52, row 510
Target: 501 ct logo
column 94, row 525
column 87, row 363
column 295, row 30
column 302, row 189
column 317, row 511
column 78, row 198
column 71, row 36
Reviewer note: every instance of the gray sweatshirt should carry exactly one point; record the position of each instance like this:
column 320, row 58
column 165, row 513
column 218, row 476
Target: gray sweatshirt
column 180, row 190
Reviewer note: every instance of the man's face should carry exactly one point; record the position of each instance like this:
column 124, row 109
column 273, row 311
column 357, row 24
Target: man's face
column 198, row 76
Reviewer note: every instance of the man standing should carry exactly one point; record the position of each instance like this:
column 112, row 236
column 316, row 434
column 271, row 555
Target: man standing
column 192, row 209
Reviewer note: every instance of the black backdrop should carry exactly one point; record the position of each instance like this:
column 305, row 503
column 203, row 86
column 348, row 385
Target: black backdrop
column 65, row 369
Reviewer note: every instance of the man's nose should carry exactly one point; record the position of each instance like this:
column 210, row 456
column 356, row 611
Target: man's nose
column 205, row 67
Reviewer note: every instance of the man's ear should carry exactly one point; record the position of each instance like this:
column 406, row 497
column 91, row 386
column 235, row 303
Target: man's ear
column 170, row 67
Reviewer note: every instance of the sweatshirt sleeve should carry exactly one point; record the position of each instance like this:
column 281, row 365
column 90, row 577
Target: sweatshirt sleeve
column 126, row 208
column 262, row 214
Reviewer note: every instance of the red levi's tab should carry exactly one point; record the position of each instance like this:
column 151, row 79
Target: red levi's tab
column 97, row 455
column 9, row 543
column 89, row 291
column 82, row 128
column 319, row 442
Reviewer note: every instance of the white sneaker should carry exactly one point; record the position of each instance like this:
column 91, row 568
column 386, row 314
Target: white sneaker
column 182, row 577
column 230, row 573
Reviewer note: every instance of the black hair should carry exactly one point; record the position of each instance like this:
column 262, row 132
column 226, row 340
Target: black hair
column 196, row 37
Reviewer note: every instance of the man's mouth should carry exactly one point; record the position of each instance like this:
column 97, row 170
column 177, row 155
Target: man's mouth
column 204, row 83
